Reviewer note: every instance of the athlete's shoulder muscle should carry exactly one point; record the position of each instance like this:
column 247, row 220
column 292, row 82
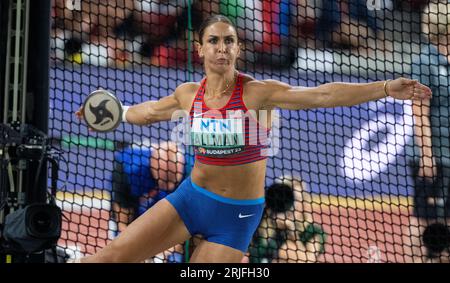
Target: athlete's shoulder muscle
column 255, row 93
column 185, row 94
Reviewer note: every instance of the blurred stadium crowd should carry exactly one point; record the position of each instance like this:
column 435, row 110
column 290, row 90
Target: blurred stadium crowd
column 159, row 32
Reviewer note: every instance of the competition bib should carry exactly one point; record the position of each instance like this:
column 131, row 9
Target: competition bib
column 217, row 137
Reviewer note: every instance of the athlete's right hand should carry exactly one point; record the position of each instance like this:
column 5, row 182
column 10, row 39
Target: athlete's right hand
column 79, row 114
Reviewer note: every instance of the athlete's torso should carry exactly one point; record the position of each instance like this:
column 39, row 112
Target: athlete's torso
column 228, row 135
column 244, row 181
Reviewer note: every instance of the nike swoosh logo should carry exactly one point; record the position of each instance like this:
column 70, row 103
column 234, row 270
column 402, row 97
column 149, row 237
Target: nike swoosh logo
column 197, row 115
column 245, row 215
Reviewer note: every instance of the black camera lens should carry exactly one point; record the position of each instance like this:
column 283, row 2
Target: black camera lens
column 436, row 237
column 33, row 228
column 41, row 222
column 279, row 197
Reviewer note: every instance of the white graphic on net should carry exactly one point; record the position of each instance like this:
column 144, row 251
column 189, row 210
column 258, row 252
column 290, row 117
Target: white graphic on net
column 373, row 254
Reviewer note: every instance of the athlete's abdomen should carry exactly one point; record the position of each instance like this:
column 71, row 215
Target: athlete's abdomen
column 237, row 181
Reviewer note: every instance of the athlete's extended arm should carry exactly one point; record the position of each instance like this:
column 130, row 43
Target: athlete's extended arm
column 150, row 112
column 156, row 111
column 277, row 94
column 153, row 111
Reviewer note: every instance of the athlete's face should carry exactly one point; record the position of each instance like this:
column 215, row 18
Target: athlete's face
column 220, row 47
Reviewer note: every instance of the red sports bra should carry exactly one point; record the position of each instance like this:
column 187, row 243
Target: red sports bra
column 227, row 136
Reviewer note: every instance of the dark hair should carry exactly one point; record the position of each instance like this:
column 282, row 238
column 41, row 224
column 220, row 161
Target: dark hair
column 279, row 197
column 212, row 20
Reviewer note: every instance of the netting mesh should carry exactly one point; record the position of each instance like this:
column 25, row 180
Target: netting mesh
column 346, row 185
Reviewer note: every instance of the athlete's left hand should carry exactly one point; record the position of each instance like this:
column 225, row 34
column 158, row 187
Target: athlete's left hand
column 405, row 89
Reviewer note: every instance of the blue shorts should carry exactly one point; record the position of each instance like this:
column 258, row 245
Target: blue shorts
column 220, row 220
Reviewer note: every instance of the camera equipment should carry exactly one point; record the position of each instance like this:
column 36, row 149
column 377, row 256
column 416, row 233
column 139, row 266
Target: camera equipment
column 431, row 196
column 29, row 225
column 436, row 238
column 34, row 228
column 432, row 202
column 279, row 197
